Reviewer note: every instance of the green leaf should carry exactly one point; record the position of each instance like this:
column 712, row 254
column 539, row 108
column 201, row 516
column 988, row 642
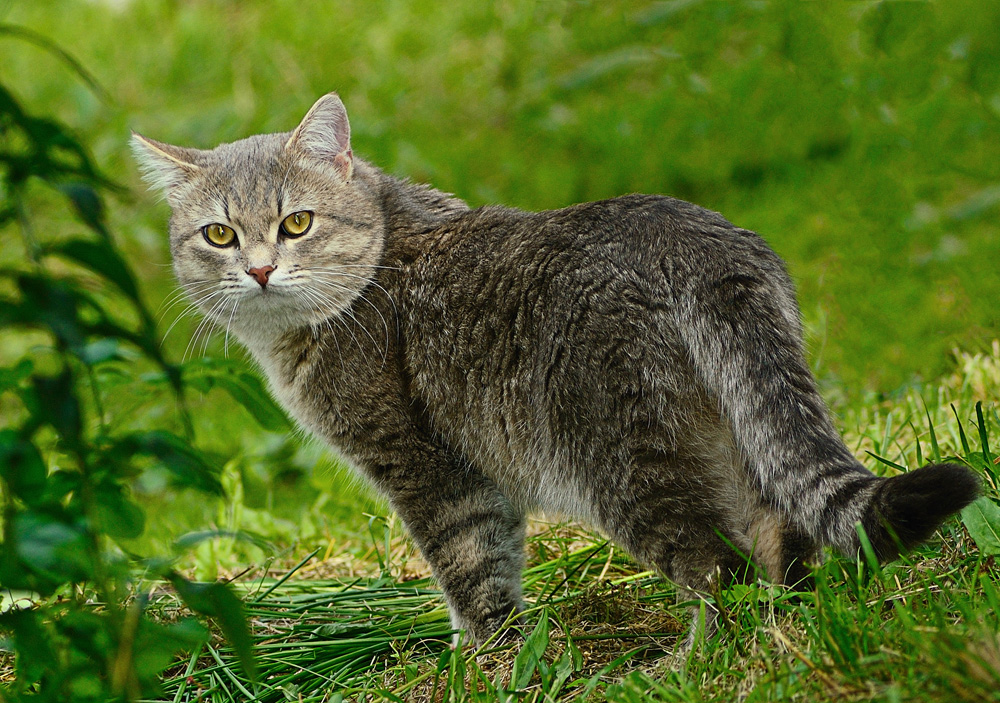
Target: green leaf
column 249, row 392
column 116, row 515
column 531, row 653
column 55, row 549
column 87, row 203
column 91, row 633
column 562, row 670
column 102, row 259
column 216, row 601
column 189, row 467
column 192, row 539
column 32, row 644
column 982, row 519
column 59, row 406
column 100, row 350
column 22, row 467
column 50, row 304
column 456, row 674
column 13, row 376
column 243, row 387
column 343, row 629
column 156, row 648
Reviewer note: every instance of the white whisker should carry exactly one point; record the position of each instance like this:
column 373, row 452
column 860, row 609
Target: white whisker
column 194, row 305
column 368, row 281
column 325, row 321
column 323, row 302
column 177, row 296
column 368, row 266
column 203, row 327
column 347, row 311
column 225, row 345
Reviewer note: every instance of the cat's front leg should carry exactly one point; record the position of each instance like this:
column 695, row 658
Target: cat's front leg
column 472, row 536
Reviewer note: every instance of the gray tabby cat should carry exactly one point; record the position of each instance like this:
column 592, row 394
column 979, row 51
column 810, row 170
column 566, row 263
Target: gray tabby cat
column 635, row 363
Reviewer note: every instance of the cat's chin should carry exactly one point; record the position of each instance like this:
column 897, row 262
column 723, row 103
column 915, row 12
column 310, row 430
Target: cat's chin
column 260, row 334
column 268, row 314
column 262, row 318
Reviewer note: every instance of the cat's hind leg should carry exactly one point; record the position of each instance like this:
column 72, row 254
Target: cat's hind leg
column 681, row 515
column 782, row 550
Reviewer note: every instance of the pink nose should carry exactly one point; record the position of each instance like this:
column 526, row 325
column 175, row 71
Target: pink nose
column 261, row 273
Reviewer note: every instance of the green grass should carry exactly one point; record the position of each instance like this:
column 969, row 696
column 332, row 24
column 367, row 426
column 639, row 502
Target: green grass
column 861, row 139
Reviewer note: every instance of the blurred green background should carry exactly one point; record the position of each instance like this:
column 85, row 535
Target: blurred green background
column 861, row 139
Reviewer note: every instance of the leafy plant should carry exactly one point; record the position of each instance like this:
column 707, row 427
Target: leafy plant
column 70, row 615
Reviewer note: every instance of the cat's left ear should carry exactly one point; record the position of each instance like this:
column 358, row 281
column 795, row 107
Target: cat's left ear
column 325, row 134
column 164, row 166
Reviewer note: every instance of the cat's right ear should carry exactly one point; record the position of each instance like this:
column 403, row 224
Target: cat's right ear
column 325, row 134
column 164, row 167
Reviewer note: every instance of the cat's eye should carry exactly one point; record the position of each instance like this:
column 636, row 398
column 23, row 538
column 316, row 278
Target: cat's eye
column 219, row 235
column 297, row 224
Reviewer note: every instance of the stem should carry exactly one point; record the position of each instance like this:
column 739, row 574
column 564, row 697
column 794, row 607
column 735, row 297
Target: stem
column 31, row 247
column 96, row 392
column 93, row 538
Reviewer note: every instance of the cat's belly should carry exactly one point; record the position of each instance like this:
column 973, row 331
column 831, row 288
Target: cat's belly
column 535, row 473
column 562, row 450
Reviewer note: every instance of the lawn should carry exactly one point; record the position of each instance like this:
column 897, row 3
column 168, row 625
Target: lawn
column 862, row 140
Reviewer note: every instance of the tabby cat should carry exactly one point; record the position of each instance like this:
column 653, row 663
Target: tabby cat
column 634, row 363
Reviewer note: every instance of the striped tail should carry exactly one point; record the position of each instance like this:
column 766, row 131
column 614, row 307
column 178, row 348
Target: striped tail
column 742, row 332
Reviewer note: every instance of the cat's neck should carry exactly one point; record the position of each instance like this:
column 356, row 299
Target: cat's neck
column 409, row 208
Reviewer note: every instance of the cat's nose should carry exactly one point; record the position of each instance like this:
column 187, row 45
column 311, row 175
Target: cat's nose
column 261, row 274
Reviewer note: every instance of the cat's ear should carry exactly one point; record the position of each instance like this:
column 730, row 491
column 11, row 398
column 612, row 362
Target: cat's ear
column 163, row 166
column 325, row 134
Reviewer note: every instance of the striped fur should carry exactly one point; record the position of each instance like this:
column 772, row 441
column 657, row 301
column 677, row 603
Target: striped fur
column 635, row 363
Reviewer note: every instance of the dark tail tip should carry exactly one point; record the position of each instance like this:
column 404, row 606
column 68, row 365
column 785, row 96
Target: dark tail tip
column 906, row 509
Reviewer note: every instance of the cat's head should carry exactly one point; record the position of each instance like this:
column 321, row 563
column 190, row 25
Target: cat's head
column 270, row 232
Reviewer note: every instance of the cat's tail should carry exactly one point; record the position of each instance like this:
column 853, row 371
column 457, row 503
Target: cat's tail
column 742, row 333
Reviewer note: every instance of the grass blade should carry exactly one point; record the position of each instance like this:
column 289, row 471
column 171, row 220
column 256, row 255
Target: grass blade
column 277, row 584
column 935, row 448
column 531, row 653
column 961, row 433
column 885, row 461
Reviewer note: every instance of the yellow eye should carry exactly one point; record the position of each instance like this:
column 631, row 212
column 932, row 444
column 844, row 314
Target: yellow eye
column 219, row 235
column 296, row 224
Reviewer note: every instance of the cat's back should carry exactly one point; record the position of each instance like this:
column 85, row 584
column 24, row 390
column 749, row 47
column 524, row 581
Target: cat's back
column 495, row 258
column 633, row 231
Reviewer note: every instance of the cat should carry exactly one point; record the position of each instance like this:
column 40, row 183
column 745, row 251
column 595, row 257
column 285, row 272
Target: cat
column 635, row 363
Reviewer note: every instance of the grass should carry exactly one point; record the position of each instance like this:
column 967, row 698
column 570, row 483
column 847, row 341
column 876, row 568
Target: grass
column 923, row 628
column 861, row 139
